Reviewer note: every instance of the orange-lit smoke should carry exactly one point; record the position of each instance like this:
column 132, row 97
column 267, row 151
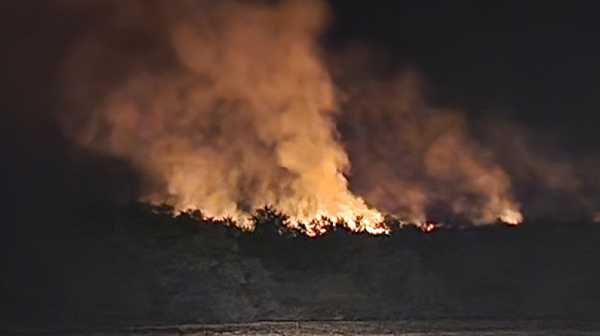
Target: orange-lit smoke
column 225, row 103
column 226, row 106
column 413, row 160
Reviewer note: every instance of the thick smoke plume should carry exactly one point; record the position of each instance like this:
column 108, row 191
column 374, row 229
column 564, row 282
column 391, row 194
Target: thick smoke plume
column 224, row 105
column 227, row 106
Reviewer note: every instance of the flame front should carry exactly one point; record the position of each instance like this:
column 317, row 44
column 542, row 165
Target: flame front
column 227, row 106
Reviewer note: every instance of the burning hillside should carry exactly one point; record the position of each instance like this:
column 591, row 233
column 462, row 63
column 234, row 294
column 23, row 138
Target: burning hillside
column 227, row 107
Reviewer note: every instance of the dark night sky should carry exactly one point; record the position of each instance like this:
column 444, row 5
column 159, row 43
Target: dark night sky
column 537, row 59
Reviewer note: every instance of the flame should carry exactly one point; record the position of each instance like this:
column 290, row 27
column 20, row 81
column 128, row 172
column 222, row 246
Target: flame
column 511, row 217
column 427, row 227
column 227, row 106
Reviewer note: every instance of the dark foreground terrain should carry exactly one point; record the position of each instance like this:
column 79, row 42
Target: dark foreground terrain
column 141, row 267
column 407, row 328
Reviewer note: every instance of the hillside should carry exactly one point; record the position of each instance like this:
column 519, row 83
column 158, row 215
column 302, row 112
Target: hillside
column 141, row 266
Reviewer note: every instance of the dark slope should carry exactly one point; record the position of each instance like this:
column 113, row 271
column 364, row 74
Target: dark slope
column 140, row 266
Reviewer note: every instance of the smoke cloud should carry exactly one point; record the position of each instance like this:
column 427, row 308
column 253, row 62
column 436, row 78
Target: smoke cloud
column 413, row 160
column 228, row 106
column 224, row 105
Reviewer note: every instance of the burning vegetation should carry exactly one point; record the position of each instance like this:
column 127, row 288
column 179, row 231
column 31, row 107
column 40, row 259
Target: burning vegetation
column 228, row 106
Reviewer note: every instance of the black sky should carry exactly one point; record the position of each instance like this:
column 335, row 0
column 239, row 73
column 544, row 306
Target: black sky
column 537, row 60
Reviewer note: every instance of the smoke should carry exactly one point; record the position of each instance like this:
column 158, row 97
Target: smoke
column 413, row 160
column 550, row 182
column 224, row 105
column 228, row 106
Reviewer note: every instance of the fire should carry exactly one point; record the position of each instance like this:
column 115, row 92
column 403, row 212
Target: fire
column 228, row 106
column 426, row 227
column 511, row 217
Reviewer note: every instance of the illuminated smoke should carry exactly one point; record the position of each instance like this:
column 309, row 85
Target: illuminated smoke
column 226, row 106
column 225, row 103
column 553, row 184
column 416, row 161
